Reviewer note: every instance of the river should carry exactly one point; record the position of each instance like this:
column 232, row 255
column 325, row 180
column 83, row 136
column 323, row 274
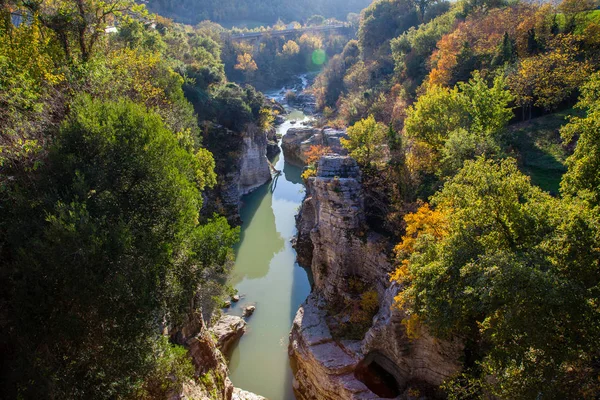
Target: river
column 266, row 273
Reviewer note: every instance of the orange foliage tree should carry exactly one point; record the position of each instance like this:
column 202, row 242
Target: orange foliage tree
column 482, row 34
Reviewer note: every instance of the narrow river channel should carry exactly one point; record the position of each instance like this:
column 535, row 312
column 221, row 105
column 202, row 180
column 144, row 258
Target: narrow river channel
column 266, row 274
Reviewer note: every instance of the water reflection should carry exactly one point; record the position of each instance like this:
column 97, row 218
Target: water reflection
column 266, row 273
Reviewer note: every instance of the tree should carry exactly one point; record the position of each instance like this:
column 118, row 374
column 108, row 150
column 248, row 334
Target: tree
column 548, row 79
column 365, row 141
column 472, row 106
column 315, row 20
column 583, row 175
column 515, row 273
column 79, row 24
column 422, row 6
column 291, row 48
column 102, row 250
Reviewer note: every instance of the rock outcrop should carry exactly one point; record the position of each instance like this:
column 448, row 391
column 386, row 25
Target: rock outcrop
column 253, row 167
column 239, row 394
column 211, row 380
column 228, row 330
column 273, row 148
column 242, row 166
column 297, row 141
column 334, row 242
column 323, row 368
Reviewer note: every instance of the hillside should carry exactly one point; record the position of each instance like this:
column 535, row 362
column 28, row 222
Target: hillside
column 254, row 11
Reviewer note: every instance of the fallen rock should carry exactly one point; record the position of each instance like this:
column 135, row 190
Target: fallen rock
column 249, row 310
column 226, row 304
column 235, row 298
column 228, row 330
column 239, row 394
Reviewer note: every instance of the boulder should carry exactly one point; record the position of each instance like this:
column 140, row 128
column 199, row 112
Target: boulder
column 249, row 310
column 235, row 298
column 228, row 330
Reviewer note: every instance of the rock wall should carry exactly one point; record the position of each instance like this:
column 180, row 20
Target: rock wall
column 211, row 381
column 297, row 141
column 251, row 170
column 334, row 242
column 253, row 167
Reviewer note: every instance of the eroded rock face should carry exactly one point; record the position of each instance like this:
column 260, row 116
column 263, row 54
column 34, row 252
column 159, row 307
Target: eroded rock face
column 419, row 359
column 253, row 166
column 297, row 141
column 239, row 394
column 334, row 242
column 211, row 380
column 228, row 330
column 323, row 369
column 242, row 166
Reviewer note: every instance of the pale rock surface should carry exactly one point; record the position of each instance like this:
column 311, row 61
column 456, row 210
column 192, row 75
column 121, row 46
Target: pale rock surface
column 239, row 394
column 254, row 165
column 228, row 330
column 334, row 242
column 207, row 360
column 251, row 171
column 297, row 141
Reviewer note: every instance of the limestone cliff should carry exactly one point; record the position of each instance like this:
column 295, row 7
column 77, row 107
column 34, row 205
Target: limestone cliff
column 241, row 166
column 382, row 362
column 297, row 141
column 211, row 380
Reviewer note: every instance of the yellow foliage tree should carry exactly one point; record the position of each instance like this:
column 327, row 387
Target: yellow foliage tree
column 425, row 221
column 246, row 63
column 291, row 48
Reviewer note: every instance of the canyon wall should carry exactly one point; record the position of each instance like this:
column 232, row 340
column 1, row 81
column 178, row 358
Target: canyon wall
column 242, row 166
column 381, row 362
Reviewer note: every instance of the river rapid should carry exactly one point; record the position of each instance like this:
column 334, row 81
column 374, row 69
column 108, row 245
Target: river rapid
column 266, row 274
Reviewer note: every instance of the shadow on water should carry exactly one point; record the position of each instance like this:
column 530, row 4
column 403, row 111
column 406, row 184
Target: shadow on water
column 292, row 173
column 266, row 274
column 261, row 235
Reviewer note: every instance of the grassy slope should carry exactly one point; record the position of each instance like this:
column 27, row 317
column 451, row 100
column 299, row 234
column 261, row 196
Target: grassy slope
column 539, row 148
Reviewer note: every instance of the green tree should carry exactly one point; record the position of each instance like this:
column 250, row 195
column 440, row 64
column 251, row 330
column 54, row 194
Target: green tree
column 515, row 272
column 365, row 141
column 104, row 249
column 473, row 106
column 80, row 24
column 583, row 175
column 315, row 20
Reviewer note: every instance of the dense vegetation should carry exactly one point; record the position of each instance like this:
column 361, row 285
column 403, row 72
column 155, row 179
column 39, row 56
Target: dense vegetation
column 277, row 59
column 103, row 177
column 436, row 99
column 111, row 144
column 261, row 11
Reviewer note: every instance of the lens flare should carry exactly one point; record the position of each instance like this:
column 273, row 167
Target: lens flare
column 319, row 57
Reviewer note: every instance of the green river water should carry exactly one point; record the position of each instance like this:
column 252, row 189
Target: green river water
column 266, row 273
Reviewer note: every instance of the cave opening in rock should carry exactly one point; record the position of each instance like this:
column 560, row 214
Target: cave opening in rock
column 376, row 377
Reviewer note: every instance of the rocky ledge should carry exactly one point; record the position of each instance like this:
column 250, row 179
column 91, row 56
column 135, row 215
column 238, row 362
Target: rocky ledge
column 211, row 380
column 323, row 368
column 385, row 361
column 297, row 141
column 239, row 394
column 228, row 330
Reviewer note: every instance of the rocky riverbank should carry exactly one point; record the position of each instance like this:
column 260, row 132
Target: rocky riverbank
column 341, row 349
column 206, row 347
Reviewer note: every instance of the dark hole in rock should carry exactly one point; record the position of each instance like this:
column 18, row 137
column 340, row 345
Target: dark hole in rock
column 377, row 378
